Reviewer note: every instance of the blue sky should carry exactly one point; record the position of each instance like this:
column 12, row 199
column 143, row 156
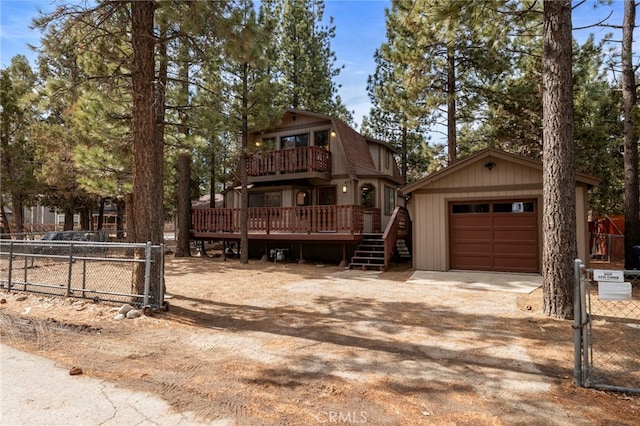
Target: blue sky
column 360, row 30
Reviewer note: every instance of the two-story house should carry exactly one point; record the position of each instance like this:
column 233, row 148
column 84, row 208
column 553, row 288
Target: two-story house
column 317, row 188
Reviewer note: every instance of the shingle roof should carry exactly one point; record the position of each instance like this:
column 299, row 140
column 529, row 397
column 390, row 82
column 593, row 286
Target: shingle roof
column 356, row 151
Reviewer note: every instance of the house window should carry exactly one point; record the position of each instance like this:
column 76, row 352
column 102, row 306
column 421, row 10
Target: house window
column 389, row 200
column 321, row 138
column 368, row 196
column 265, row 144
column 294, row 141
column 303, row 198
column 327, row 195
column 387, row 160
column 265, row 199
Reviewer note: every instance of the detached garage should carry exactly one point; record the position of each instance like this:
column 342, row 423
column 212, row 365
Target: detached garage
column 485, row 213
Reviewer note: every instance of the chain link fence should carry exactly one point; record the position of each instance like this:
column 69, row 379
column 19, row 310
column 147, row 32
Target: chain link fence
column 608, row 330
column 74, row 267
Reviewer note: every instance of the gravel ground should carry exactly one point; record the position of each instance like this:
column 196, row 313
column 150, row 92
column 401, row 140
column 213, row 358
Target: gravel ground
column 289, row 344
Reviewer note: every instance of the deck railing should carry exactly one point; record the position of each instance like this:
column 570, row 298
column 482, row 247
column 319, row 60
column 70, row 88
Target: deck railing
column 399, row 227
column 296, row 160
column 304, row 219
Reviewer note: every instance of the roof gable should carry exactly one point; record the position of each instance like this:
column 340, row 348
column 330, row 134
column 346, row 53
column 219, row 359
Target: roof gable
column 489, row 155
column 355, row 148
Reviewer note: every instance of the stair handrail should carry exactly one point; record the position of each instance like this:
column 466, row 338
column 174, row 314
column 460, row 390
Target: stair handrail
column 398, row 224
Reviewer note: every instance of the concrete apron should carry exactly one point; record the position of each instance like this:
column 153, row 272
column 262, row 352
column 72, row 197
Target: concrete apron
column 475, row 280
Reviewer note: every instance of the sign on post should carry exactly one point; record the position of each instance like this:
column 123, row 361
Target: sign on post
column 611, row 285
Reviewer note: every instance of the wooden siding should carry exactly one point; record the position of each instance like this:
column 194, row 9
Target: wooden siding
column 477, row 176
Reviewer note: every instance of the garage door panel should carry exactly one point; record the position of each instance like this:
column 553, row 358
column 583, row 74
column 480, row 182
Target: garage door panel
column 502, row 241
column 471, row 249
column 514, row 248
column 475, row 235
column 504, row 220
column 519, row 235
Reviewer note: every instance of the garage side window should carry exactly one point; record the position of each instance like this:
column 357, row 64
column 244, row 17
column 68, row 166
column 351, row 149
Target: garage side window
column 513, row 207
column 470, row 208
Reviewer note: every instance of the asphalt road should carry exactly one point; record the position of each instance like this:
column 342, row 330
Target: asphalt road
column 37, row 391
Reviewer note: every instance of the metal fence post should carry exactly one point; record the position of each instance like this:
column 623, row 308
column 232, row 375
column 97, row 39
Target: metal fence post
column 584, row 321
column 10, row 265
column 577, row 325
column 70, row 270
column 147, row 273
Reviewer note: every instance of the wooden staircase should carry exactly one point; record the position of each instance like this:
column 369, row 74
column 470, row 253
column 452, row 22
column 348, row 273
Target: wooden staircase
column 375, row 251
column 402, row 252
column 369, row 254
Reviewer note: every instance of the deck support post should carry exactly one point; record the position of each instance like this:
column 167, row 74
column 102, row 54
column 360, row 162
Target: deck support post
column 343, row 262
column 301, row 260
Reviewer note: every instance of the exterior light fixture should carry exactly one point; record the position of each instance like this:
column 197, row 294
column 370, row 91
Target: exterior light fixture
column 333, row 133
column 344, row 188
column 490, row 165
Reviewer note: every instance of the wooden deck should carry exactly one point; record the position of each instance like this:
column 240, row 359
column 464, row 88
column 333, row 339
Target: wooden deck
column 287, row 161
column 306, row 223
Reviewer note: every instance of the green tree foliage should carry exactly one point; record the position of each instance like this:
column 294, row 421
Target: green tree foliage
column 390, row 120
column 447, row 54
column 305, row 62
column 16, row 149
column 254, row 106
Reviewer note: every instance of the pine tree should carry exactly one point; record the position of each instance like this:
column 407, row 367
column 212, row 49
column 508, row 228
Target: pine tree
column 631, row 180
column 250, row 83
column 389, row 120
column 306, row 64
column 559, row 196
column 449, row 51
column 16, row 149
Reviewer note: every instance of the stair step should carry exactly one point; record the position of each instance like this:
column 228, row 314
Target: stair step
column 368, row 260
column 365, row 266
column 370, row 248
column 362, row 253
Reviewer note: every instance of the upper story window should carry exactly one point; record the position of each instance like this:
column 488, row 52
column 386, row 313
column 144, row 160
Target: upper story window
column 321, row 138
column 389, row 200
column 294, row 141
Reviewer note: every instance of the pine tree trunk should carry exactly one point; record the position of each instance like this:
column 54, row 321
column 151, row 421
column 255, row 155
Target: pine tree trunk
column 244, row 192
column 183, row 248
column 559, row 198
column 100, row 215
column 147, row 149
column 631, row 181
column 18, row 212
column 452, row 136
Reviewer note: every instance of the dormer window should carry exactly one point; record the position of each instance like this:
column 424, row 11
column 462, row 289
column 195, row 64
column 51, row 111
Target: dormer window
column 321, row 138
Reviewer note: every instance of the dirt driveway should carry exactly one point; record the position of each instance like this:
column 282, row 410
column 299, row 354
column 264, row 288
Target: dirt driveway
column 288, row 344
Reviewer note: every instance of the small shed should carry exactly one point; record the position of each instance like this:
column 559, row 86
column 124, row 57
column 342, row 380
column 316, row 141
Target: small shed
column 484, row 213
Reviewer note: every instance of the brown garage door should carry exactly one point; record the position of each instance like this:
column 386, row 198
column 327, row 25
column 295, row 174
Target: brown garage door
column 494, row 236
